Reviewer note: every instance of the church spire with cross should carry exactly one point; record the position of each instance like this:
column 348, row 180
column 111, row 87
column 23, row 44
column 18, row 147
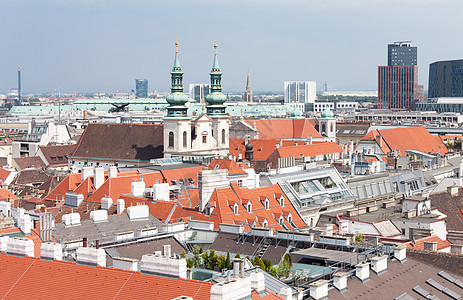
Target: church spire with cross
column 177, row 98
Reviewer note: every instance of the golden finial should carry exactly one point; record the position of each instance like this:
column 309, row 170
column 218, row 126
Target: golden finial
column 176, row 45
column 19, row 69
column 215, row 46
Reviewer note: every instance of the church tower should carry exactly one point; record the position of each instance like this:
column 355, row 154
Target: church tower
column 327, row 124
column 177, row 124
column 216, row 109
column 248, row 91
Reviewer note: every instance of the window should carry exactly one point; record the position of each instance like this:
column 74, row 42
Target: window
column 282, row 201
column 223, row 136
column 171, row 139
column 184, row 139
column 204, row 139
column 323, row 128
column 249, row 207
column 235, row 209
column 331, row 127
column 266, row 204
column 290, row 218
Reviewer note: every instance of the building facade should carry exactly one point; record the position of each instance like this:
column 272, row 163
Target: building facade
column 401, row 54
column 398, row 87
column 446, row 79
column 298, row 93
column 199, row 91
column 141, row 86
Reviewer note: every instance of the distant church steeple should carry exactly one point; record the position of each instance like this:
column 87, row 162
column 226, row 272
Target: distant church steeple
column 248, row 91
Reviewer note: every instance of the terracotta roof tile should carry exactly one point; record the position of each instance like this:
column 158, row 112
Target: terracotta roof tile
column 57, row 155
column 287, row 128
column 309, row 150
column 232, row 167
column 29, row 162
column 419, row 244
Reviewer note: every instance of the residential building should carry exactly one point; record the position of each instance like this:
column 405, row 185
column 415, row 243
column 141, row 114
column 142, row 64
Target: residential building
column 103, row 144
column 199, row 92
column 401, row 140
column 446, row 79
column 341, row 106
column 56, row 157
column 426, row 114
column 41, row 135
column 141, row 86
column 264, row 129
column 350, row 132
column 299, row 93
column 398, row 87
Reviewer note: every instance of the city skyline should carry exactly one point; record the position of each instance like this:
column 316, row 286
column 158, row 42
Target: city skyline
column 104, row 46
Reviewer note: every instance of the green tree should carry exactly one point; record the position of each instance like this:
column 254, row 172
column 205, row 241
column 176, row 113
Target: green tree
column 237, row 255
column 195, row 261
column 210, row 259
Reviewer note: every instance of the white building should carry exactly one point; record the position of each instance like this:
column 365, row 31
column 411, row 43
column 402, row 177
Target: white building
column 298, row 93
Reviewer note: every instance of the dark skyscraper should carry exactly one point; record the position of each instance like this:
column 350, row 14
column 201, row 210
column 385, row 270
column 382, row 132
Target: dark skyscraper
column 141, row 86
column 446, row 79
column 398, row 87
column 401, row 54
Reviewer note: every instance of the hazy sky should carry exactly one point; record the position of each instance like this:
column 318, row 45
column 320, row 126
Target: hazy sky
column 103, row 45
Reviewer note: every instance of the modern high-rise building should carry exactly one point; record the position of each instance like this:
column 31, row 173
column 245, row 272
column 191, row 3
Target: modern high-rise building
column 299, row 93
column 398, row 87
column 446, row 79
column 401, row 54
column 199, row 91
column 141, row 86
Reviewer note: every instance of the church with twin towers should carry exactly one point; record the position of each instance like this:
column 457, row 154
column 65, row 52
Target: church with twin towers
column 201, row 138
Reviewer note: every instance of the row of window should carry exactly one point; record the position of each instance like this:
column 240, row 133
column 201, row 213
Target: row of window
column 185, row 138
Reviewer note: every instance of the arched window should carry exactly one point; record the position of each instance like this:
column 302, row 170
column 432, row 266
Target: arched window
column 223, row 136
column 171, row 139
column 184, row 139
column 331, row 127
column 266, row 204
column 323, row 128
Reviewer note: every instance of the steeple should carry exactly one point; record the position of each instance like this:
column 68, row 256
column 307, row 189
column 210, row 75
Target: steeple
column 248, row 91
column 216, row 98
column 177, row 98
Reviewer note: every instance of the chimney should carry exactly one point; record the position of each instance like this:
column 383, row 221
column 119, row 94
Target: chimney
column 309, row 141
column 84, row 242
column 85, row 115
column 430, row 246
column 120, row 206
column 98, row 177
column 138, row 212
column 362, row 271
column 242, row 268
column 165, row 266
column 161, row 191
column 236, row 267
column 51, row 251
column 166, row 251
column 25, row 224
column 208, row 181
column 4, row 243
column 112, row 171
column 258, row 281
column 340, row 281
column 86, row 172
column 351, row 146
column 91, row 256
column 379, row 264
column 21, row 246
column 454, row 249
column 106, row 203
column 99, row 216
column 97, row 244
column 138, row 188
column 319, row 289
column 400, row 253
column 286, row 293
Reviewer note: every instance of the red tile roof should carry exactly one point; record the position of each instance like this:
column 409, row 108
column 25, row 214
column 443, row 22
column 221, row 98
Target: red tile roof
column 309, row 150
column 29, row 162
column 287, row 128
column 419, row 244
column 407, row 138
column 262, row 148
column 4, row 174
column 232, row 167
column 30, row 278
column 6, row 194
column 57, row 155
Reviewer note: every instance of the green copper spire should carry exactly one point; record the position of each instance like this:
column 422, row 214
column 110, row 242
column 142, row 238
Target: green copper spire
column 216, row 98
column 177, row 98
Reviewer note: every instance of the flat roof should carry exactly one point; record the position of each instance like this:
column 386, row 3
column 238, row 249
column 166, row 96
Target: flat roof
column 329, row 256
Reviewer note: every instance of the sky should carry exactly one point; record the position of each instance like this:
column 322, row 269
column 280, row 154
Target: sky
column 103, row 45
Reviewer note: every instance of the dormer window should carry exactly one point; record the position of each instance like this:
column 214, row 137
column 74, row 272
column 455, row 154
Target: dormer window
column 290, row 218
column 280, row 220
column 249, row 207
column 235, row 208
column 209, row 210
column 266, row 203
column 282, row 201
column 264, row 224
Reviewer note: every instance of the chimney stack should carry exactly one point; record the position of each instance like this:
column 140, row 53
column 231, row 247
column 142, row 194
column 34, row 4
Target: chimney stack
column 86, row 172
column 120, row 206
column 98, row 178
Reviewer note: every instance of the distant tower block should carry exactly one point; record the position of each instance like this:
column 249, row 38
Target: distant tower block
column 19, row 84
column 248, row 91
